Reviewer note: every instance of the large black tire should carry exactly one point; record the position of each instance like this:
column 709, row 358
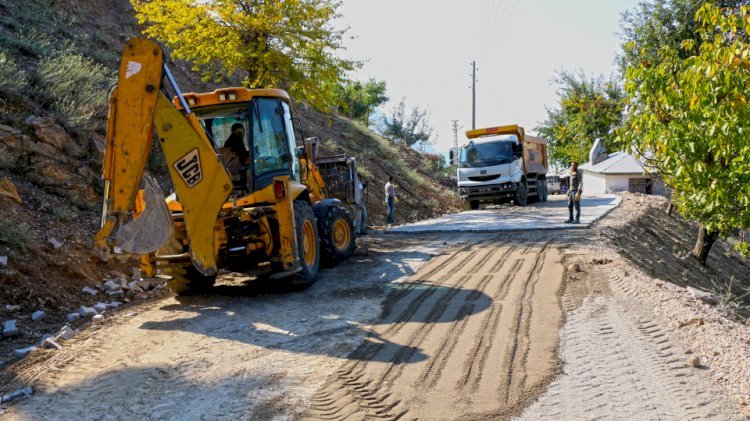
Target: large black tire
column 186, row 280
column 537, row 197
column 308, row 245
column 545, row 193
column 337, row 235
column 522, row 195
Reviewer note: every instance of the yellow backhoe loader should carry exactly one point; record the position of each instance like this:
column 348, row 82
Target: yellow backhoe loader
column 246, row 196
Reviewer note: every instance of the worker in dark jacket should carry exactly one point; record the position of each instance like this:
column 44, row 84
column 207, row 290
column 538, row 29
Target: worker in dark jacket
column 574, row 194
column 236, row 142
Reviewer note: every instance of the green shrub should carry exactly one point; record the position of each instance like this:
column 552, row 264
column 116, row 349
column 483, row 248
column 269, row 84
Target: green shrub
column 75, row 88
column 16, row 235
column 13, row 79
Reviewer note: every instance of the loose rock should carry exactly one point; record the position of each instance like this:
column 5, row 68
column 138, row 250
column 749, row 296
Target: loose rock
column 694, row 362
column 50, row 343
column 66, row 333
column 10, row 328
column 87, row 311
column 3, row 261
column 116, row 294
column 72, row 317
column 22, row 352
column 98, row 318
column 24, row 391
column 12, row 307
column 90, row 291
column 574, row 267
column 7, row 189
column 100, row 307
column 704, row 296
column 112, row 285
column 54, row 244
column 114, row 304
column 38, row 315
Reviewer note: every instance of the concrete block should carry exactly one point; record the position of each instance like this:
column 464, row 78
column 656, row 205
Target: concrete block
column 10, row 328
column 116, row 294
column 54, row 243
column 98, row 318
column 3, row 261
column 66, row 333
column 12, row 307
column 38, row 315
column 112, row 285
column 114, row 304
column 100, row 307
column 90, row 291
column 87, row 311
column 50, row 343
column 22, row 352
column 72, row 317
column 19, row 393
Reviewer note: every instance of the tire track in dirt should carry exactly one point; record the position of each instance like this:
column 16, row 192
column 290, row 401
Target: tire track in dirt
column 445, row 344
column 622, row 366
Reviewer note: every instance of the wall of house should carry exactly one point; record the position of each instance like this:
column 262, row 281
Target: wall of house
column 594, row 183
column 615, row 183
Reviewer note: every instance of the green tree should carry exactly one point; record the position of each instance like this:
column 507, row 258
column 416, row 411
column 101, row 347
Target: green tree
column 588, row 108
column 410, row 128
column 661, row 23
column 690, row 114
column 360, row 99
column 287, row 44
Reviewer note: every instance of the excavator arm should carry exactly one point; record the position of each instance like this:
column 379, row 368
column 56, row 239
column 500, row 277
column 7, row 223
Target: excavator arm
column 136, row 107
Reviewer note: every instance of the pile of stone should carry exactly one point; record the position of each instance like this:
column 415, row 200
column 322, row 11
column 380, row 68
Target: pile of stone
column 48, row 342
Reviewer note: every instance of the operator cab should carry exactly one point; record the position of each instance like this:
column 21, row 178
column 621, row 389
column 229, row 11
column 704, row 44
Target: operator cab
column 253, row 133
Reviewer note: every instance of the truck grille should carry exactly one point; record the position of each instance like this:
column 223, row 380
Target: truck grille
column 485, row 177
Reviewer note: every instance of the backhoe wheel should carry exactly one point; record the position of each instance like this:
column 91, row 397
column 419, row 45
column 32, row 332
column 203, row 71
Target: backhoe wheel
column 308, row 245
column 186, row 280
column 522, row 195
column 337, row 237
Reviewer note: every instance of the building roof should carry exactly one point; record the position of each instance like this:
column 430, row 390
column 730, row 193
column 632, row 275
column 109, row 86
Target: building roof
column 616, row 163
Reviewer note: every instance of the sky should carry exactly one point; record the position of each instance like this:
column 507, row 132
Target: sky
column 424, row 49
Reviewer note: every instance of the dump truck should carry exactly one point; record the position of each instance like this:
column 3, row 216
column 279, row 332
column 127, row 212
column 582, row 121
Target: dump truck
column 248, row 196
column 502, row 164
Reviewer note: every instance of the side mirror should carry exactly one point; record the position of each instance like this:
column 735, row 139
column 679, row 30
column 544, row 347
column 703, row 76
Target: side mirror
column 450, row 154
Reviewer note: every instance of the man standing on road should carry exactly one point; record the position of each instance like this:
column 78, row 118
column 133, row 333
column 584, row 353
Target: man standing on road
column 390, row 198
column 574, row 194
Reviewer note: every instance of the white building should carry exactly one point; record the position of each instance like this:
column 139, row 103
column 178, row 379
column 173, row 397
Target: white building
column 610, row 173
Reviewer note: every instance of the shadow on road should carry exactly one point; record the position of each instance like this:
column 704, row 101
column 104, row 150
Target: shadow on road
column 280, row 316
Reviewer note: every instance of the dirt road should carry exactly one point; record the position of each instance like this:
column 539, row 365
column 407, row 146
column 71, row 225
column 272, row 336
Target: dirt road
column 436, row 326
column 474, row 333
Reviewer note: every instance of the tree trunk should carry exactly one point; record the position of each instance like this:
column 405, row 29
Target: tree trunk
column 703, row 244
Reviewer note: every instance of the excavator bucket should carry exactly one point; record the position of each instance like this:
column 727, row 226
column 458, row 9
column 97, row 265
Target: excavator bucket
column 152, row 228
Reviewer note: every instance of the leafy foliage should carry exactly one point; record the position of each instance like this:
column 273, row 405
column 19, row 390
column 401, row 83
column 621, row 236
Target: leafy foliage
column 75, row 88
column 690, row 113
column 287, row 44
column 661, row 23
column 359, row 99
column 589, row 108
column 13, row 78
column 410, row 128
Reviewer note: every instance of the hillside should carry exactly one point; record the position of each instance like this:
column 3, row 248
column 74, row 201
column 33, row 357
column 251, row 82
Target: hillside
column 57, row 64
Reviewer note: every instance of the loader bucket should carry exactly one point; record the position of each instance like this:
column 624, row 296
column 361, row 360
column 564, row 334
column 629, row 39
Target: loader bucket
column 152, row 227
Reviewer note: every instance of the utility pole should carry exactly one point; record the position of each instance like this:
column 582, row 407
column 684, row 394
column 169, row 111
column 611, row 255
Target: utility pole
column 473, row 94
column 455, row 134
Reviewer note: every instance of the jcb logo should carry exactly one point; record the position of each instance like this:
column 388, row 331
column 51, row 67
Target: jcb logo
column 189, row 168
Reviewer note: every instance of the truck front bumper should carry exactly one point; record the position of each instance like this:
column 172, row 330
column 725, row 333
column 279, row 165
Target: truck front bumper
column 488, row 191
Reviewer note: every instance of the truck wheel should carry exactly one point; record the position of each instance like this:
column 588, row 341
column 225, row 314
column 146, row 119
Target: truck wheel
column 337, row 237
column 544, row 191
column 471, row 204
column 186, row 280
column 308, row 246
column 522, row 195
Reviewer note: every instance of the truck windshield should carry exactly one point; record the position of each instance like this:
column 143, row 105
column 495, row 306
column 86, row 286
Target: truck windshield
column 486, row 154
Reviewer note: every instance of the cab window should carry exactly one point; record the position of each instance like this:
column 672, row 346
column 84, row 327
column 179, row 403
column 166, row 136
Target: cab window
column 271, row 153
